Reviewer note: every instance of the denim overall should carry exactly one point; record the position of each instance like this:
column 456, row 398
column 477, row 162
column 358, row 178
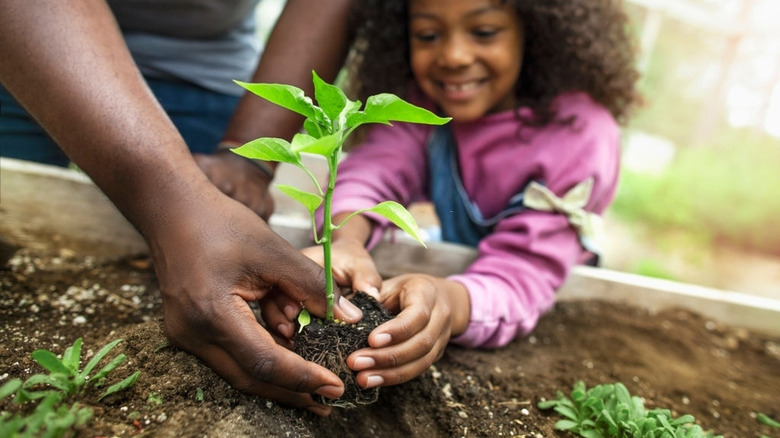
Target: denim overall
column 460, row 218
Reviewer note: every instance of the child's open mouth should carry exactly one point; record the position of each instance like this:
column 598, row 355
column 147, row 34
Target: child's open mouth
column 461, row 90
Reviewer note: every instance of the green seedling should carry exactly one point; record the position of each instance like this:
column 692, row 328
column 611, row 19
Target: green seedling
column 66, row 377
column 767, row 420
column 327, row 126
column 610, row 411
column 154, row 399
column 52, row 416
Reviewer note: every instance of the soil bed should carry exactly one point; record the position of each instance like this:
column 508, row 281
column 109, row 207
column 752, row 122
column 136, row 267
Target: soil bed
column 675, row 359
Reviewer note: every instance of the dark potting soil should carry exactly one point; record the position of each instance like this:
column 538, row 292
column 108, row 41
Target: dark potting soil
column 676, row 359
column 328, row 343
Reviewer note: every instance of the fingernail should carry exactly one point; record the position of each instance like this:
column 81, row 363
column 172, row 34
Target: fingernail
column 381, row 340
column 374, row 292
column 363, row 362
column 373, row 381
column 350, row 310
column 330, row 391
column 322, row 411
column 290, row 312
column 285, row 330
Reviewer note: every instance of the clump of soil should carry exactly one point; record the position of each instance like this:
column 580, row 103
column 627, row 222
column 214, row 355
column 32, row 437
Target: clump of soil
column 329, row 343
column 723, row 376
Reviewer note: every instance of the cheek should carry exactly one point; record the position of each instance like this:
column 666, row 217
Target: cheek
column 509, row 62
column 420, row 62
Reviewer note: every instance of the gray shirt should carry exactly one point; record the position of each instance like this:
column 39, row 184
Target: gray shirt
column 205, row 42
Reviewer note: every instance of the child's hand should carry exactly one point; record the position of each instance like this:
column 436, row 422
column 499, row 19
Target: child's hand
column 431, row 310
column 352, row 265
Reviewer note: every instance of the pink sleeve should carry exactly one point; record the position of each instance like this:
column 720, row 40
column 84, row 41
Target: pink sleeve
column 530, row 254
column 388, row 165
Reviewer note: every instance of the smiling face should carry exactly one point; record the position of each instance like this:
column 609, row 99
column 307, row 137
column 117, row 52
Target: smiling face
column 466, row 54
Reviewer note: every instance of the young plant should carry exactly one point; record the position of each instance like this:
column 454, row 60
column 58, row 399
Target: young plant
column 66, row 377
column 327, row 126
column 52, row 417
column 609, row 411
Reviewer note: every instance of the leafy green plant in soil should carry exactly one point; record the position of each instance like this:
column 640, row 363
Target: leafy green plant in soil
column 767, row 420
column 610, row 411
column 327, row 126
column 55, row 415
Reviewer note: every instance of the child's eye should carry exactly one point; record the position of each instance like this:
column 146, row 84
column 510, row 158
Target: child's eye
column 485, row 33
column 425, row 37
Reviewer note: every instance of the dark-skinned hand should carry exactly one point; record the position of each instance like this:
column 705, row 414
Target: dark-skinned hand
column 209, row 268
column 240, row 179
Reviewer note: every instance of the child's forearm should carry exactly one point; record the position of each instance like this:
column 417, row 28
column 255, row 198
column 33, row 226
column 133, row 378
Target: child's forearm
column 357, row 228
column 460, row 305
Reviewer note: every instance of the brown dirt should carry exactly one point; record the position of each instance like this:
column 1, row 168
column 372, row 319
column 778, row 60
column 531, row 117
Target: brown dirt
column 676, row 359
column 330, row 343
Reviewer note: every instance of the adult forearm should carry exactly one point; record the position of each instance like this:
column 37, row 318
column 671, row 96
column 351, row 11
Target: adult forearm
column 309, row 35
column 67, row 64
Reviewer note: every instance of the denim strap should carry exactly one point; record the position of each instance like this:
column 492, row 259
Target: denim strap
column 461, row 219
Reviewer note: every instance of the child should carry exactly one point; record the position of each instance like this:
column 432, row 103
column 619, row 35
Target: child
column 535, row 90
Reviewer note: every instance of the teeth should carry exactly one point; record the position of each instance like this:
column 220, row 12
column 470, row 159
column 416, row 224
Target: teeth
column 461, row 87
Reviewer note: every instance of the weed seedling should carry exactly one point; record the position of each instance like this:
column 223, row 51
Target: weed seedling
column 610, row 411
column 327, row 126
column 53, row 416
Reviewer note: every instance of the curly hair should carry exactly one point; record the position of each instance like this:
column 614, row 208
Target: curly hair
column 570, row 45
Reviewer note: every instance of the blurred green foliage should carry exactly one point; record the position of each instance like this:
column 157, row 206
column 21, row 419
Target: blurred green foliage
column 723, row 192
column 719, row 191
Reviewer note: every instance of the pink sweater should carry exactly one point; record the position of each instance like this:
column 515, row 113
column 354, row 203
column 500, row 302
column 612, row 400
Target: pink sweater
column 529, row 255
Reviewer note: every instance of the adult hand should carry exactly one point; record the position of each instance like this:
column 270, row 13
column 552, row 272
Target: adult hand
column 211, row 253
column 210, row 262
column 240, row 179
column 431, row 310
column 352, row 267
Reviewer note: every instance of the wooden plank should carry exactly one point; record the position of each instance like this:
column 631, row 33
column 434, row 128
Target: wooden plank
column 47, row 207
column 51, row 208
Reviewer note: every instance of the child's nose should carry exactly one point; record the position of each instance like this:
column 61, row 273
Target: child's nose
column 456, row 52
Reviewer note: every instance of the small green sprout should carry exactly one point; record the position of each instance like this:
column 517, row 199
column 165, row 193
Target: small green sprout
column 327, row 126
column 52, row 416
column 767, row 420
column 609, row 411
column 154, row 398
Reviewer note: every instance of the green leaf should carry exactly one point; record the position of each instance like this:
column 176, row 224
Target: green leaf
column 287, row 96
column 763, row 419
column 547, row 404
column 685, row 419
column 10, row 387
column 269, row 149
column 97, row 358
column 398, row 215
column 324, row 146
column 154, row 398
column 591, row 433
column 50, row 361
column 329, row 97
column 565, row 425
column 567, row 411
column 309, row 200
column 124, row 384
column 385, row 108
column 71, row 358
column 57, row 380
column 304, row 319
column 111, row 366
column 314, row 129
